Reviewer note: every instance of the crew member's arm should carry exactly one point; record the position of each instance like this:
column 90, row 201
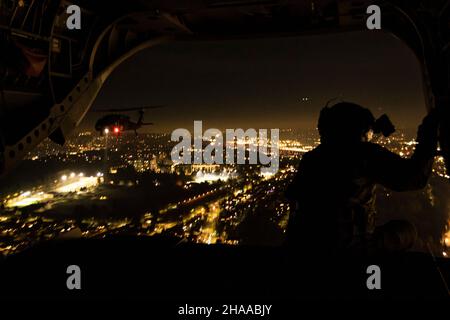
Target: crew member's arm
column 399, row 174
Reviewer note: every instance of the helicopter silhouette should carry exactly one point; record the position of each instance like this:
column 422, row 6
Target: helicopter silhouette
column 117, row 123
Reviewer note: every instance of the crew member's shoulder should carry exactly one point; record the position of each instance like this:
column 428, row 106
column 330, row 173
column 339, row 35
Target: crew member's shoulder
column 371, row 147
column 313, row 153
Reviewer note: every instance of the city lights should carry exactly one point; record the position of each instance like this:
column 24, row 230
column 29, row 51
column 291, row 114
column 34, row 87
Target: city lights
column 202, row 203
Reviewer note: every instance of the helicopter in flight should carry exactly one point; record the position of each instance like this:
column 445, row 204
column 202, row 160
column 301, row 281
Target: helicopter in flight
column 116, row 123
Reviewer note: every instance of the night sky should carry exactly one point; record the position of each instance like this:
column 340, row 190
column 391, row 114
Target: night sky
column 260, row 83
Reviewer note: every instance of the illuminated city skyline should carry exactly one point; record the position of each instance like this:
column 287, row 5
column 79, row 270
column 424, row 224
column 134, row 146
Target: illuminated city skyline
column 199, row 202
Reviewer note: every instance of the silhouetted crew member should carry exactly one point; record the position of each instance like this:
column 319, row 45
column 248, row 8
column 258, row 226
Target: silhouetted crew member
column 334, row 188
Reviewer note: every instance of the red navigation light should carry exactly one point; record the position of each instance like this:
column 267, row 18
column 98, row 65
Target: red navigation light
column 116, row 129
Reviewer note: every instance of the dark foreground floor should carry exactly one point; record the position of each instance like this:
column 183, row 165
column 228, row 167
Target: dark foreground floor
column 160, row 270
